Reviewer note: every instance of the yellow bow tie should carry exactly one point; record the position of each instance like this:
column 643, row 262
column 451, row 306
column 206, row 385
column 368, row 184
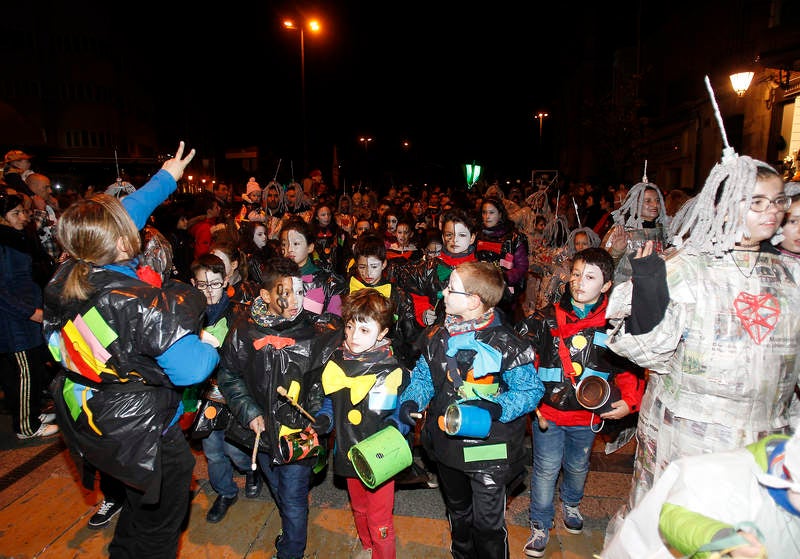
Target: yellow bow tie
column 393, row 380
column 385, row 289
column 334, row 378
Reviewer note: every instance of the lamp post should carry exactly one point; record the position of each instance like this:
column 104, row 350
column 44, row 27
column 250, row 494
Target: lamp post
column 365, row 140
column 314, row 26
column 540, row 116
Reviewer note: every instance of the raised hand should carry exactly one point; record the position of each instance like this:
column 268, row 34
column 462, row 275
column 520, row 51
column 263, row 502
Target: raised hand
column 177, row 164
column 645, row 250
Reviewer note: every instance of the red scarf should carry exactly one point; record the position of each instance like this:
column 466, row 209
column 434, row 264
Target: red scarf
column 595, row 319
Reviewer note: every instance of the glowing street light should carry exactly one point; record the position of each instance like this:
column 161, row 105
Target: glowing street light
column 540, row 116
column 741, row 81
column 365, row 141
column 315, row 27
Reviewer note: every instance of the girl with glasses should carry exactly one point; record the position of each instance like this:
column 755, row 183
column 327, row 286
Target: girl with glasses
column 716, row 323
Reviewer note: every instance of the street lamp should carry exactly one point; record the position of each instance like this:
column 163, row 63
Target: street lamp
column 741, row 81
column 365, row 140
column 313, row 26
column 540, row 116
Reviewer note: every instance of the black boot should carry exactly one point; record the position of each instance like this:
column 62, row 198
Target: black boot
column 252, row 484
column 220, row 508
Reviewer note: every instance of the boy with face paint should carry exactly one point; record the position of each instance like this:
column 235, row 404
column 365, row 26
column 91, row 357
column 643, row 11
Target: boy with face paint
column 427, row 278
column 276, row 343
column 323, row 288
column 369, row 270
column 364, row 357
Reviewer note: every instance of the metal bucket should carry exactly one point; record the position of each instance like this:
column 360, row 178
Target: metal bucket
column 467, row 421
column 596, row 394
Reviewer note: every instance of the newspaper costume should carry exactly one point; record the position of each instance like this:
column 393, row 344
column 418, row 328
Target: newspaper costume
column 723, row 357
column 719, row 380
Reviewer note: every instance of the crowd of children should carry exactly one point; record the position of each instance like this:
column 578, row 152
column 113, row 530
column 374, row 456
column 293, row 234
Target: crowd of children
column 312, row 319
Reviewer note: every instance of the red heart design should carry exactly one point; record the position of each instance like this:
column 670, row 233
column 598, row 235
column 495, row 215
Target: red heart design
column 758, row 313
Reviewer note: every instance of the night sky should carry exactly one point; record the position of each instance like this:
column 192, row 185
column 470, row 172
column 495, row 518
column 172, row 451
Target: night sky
column 458, row 83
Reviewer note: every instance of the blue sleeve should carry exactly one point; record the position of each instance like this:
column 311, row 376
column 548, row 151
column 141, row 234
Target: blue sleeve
column 420, row 389
column 188, row 361
column 141, row 203
column 326, row 409
column 525, row 389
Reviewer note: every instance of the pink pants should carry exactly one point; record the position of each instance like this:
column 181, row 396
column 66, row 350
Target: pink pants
column 373, row 515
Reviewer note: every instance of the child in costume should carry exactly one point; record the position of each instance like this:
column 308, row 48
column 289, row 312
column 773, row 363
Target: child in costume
column 716, row 324
column 323, row 288
column 369, row 270
column 208, row 275
column 426, row 279
column 276, row 345
column 473, row 359
column 642, row 217
column 361, row 382
column 569, row 340
column 126, row 347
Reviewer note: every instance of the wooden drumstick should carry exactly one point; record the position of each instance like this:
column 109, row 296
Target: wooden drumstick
column 282, row 391
column 415, row 415
column 543, row 424
column 253, row 465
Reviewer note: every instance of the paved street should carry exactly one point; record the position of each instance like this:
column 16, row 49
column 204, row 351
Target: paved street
column 44, row 510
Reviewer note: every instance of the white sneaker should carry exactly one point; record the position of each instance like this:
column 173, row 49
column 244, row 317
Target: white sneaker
column 47, row 418
column 44, row 430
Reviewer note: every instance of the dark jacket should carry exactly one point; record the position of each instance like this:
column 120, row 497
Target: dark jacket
column 383, row 375
column 248, row 377
column 323, row 288
column 21, row 276
column 587, row 348
column 424, row 280
column 113, row 418
column 505, row 245
column 518, row 389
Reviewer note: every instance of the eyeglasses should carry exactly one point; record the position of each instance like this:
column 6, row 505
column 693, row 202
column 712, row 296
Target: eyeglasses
column 205, row 284
column 454, row 292
column 762, row 203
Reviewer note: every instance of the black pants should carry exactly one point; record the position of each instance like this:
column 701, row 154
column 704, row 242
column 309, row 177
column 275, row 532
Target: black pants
column 476, row 507
column 153, row 531
column 22, row 375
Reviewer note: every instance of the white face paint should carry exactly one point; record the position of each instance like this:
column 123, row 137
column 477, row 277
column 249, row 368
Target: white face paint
column 295, row 247
column 299, row 292
column 211, row 284
column 457, row 238
column 361, row 335
column 370, row 269
column 226, row 261
column 260, row 236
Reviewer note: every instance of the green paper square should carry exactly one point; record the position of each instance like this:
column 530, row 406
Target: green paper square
column 486, row 452
column 99, row 327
